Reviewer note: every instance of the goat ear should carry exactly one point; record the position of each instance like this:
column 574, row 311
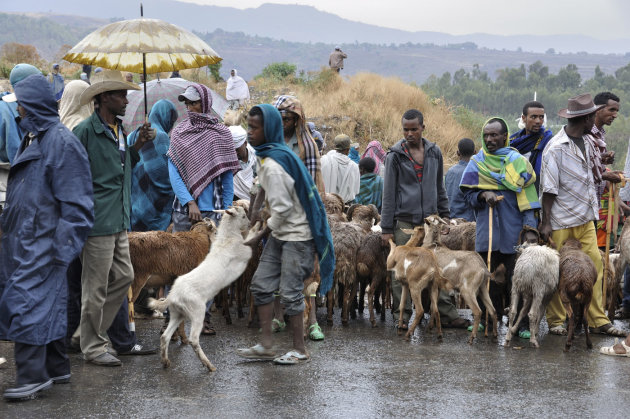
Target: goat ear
column 231, row 211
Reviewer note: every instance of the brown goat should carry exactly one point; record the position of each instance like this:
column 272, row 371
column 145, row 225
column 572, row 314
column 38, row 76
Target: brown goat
column 371, row 270
column 577, row 277
column 459, row 235
column 465, row 271
column 416, row 268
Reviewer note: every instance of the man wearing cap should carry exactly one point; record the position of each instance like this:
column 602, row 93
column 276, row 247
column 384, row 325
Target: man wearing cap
column 244, row 178
column 341, row 175
column 107, row 272
column 44, row 225
column 335, row 61
column 570, row 204
column 10, row 132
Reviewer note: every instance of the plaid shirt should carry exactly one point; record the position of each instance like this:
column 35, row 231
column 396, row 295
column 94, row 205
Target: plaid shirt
column 566, row 174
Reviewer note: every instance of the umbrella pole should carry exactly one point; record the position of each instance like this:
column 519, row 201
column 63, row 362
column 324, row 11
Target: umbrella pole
column 144, row 78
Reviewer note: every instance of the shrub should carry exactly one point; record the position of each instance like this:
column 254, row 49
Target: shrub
column 278, row 71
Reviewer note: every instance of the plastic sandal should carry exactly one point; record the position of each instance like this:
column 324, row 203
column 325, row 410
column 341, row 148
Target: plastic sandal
column 292, row 358
column 609, row 350
column 525, row 334
column 315, row 332
column 481, row 328
column 256, row 352
column 278, row 326
column 608, row 329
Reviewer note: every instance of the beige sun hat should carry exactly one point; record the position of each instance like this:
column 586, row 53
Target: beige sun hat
column 106, row 81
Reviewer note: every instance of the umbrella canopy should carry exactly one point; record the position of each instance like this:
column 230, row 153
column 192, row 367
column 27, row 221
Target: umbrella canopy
column 165, row 89
column 121, row 45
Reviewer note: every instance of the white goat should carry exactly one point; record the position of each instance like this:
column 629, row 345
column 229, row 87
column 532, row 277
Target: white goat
column 535, row 279
column 187, row 299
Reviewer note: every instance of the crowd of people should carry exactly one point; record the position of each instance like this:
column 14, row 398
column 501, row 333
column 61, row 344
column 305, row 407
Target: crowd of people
column 74, row 182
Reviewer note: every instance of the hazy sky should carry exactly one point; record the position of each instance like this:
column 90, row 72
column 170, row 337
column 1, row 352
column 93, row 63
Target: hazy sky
column 603, row 19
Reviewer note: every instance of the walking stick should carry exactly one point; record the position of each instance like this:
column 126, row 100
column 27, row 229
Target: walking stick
column 490, row 217
column 132, row 324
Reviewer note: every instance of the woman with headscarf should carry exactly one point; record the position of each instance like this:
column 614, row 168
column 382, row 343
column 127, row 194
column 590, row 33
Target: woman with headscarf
column 57, row 82
column 298, row 137
column 71, row 112
column 201, row 164
column 236, row 91
column 151, row 191
column 375, row 151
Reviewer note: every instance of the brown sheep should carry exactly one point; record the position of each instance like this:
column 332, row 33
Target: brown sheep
column 371, row 270
column 577, row 277
column 334, row 206
column 346, row 241
column 364, row 215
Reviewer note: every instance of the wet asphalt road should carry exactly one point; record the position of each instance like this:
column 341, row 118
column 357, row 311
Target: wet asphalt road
column 357, row 371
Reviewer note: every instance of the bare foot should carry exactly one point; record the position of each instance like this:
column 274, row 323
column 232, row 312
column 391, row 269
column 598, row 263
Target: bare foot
column 618, row 347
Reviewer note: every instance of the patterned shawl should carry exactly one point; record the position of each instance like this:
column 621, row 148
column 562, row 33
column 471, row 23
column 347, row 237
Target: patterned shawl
column 276, row 149
column 505, row 169
column 376, row 152
column 201, row 147
column 533, row 144
column 309, row 154
column 596, row 146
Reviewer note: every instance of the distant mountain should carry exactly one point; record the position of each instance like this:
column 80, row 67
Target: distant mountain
column 250, row 54
column 307, row 24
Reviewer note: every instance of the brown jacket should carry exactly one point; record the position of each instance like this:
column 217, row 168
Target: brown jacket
column 336, row 59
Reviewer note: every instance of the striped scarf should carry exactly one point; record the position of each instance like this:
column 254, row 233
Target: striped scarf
column 309, row 154
column 505, row 169
column 201, row 147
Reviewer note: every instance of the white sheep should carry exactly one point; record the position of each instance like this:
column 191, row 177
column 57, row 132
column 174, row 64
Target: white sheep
column 535, row 279
column 187, row 299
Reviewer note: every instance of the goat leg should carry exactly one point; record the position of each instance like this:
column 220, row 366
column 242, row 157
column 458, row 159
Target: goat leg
column 165, row 339
column 330, row 297
column 589, row 344
column 571, row 316
column 435, row 290
column 196, row 325
column 181, row 332
column 401, row 307
column 471, row 301
column 416, row 297
column 511, row 317
column 371, row 294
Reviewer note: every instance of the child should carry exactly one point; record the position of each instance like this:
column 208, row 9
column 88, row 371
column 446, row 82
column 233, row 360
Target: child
column 298, row 227
column 371, row 190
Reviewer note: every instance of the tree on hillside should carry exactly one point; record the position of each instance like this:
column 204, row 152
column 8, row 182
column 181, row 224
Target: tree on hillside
column 14, row 53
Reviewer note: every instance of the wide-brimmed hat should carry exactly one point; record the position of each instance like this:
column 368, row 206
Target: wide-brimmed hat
column 106, row 81
column 579, row 106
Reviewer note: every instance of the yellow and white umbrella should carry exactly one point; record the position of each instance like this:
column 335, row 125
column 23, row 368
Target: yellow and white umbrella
column 142, row 46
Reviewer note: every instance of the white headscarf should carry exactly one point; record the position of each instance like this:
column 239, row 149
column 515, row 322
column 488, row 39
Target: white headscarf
column 71, row 112
column 244, row 178
column 236, row 88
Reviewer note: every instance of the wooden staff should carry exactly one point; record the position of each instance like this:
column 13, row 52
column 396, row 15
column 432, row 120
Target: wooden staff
column 490, row 217
column 132, row 324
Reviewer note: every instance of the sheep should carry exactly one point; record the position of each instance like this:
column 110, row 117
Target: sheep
column 366, row 216
column 577, row 277
column 346, row 241
column 416, row 268
column 465, row 271
column 535, row 279
column 371, row 270
column 187, row 299
column 459, row 235
column 334, row 206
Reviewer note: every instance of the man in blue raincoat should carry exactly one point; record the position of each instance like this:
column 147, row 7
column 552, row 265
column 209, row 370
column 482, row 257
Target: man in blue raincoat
column 45, row 223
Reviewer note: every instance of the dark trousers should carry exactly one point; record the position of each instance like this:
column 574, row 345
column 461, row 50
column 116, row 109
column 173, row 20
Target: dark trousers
column 500, row 294
column 40, row 363
column 121, row 337
column 625, row 303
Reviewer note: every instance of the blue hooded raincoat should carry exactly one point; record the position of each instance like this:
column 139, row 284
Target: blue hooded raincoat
column 45, row 223
column 151, row 192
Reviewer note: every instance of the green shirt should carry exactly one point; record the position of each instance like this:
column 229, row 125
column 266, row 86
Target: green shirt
column 111, row 181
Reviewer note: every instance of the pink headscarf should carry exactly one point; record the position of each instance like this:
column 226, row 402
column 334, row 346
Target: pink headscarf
column 376, row 152
column 201, row 147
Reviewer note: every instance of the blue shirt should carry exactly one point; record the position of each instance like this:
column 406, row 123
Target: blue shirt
column 456, row 203
column 10, row 133
column 205, row 201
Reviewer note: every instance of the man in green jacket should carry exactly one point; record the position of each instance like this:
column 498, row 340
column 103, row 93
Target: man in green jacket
column 107, row 271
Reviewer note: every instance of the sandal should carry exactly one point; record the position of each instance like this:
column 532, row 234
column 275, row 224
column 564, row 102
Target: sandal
column 558, row 330
column 525, row 334
column 208, row 329
column 278, row 326
column 315, row 332
column 292, row 358
column 607, row 329
column 609, row 350
column 257, row 352
column 481, row 328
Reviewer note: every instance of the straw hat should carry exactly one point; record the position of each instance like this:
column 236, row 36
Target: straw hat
column 106, row 81
column 579, row 106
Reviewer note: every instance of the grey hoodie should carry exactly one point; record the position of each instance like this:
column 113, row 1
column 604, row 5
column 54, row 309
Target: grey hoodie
column 406, row 199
